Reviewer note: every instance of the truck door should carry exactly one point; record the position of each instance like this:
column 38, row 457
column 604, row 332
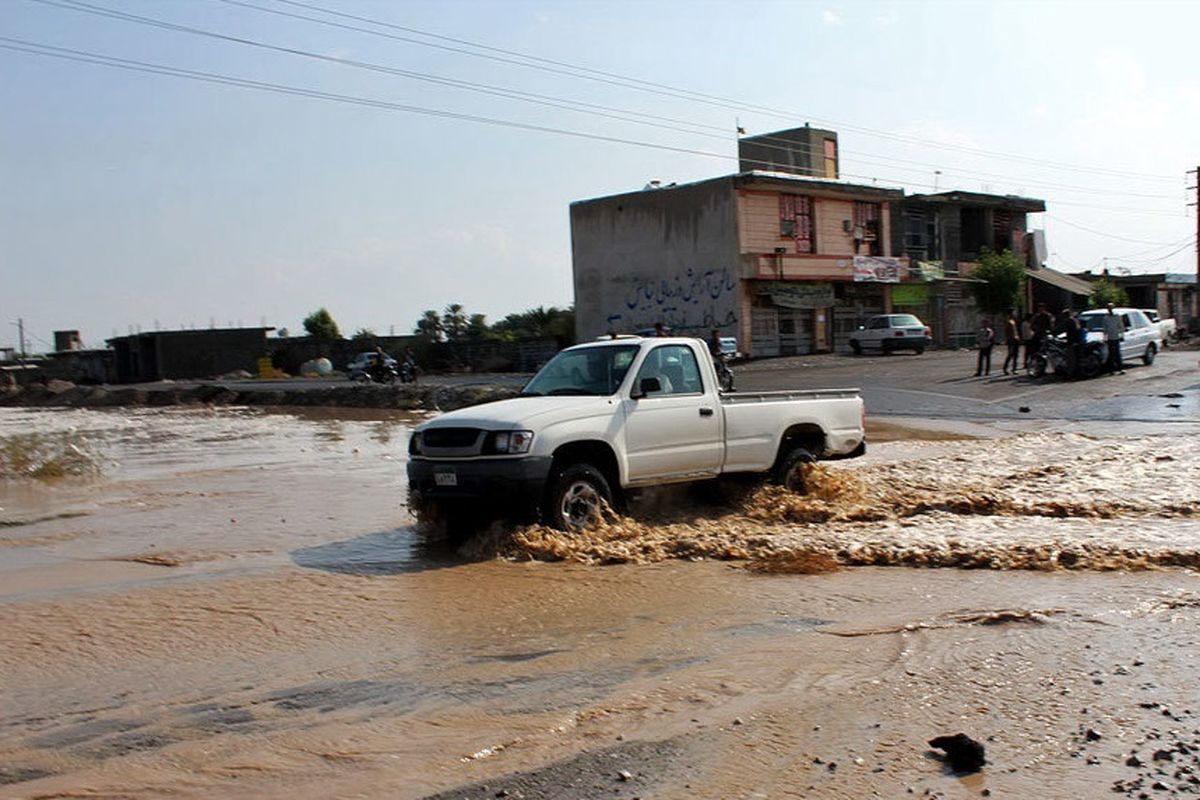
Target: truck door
column 674, row 432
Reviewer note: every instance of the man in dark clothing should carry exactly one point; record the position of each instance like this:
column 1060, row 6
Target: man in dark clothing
column 1068, row 327
column 1012, row 340
column 1042, row 322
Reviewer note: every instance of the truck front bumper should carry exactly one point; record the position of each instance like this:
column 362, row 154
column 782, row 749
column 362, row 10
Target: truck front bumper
column 514, row 482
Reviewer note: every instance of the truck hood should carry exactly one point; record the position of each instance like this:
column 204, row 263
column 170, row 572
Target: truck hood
column 523, row 412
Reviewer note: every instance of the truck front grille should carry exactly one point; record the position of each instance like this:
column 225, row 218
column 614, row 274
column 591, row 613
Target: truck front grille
column 440, row 438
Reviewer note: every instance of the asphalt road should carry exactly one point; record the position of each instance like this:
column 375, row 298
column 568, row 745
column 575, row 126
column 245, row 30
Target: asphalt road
column 941, row 385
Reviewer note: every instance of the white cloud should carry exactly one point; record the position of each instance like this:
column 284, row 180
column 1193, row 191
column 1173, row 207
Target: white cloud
column 886, row 20
column 831, row 17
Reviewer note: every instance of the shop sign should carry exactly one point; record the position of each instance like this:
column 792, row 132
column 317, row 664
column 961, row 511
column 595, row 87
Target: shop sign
column 877, row 269
column 802, row 295
column 910, row 294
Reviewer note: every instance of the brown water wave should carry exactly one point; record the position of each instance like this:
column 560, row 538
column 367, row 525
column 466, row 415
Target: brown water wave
column 1040, row 501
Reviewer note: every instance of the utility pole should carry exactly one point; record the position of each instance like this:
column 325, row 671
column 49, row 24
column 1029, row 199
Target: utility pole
column 21, row 336
column 1196, row 172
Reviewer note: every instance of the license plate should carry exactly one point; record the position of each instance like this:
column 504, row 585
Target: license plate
column 445, row 479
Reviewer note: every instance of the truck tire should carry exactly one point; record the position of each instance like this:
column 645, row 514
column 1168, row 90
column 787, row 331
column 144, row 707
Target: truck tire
column 1148, row 356
column 577, row 498
column 856, row 347
column 790, row 474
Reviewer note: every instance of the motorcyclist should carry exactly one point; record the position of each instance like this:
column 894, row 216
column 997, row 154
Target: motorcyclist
column 408, row 370
column 718, row 357
column 379, row 360
column 714, row 344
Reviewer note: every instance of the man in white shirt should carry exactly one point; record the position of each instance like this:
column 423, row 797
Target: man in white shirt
column 1114, row 332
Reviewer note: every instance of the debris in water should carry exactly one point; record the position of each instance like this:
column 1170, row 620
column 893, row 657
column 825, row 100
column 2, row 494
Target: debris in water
column 963, row 753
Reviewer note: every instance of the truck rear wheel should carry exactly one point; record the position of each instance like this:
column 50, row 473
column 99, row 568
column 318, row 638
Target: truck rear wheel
column 577, row 499
column 792, row 471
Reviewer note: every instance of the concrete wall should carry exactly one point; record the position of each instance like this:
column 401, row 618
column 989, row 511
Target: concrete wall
column 668, row 255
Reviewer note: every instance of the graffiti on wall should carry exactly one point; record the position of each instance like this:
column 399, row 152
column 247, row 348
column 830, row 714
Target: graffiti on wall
column 692, row 299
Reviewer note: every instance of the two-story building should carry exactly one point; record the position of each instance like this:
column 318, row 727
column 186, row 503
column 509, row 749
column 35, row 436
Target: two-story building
column 782, row 255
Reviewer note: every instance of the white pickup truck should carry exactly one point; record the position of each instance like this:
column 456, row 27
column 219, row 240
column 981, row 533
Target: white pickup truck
column 606, row 417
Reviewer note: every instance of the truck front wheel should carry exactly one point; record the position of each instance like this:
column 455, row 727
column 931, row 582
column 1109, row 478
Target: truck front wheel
column 792, row 471
column 577, row 499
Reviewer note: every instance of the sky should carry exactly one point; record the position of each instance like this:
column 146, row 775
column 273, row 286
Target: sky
column 131, row 200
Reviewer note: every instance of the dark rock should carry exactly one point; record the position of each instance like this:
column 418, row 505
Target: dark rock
column 1163, row 755
column 1092, row 735
column 963, row 753
column 1024, row 409
column 1133, row 761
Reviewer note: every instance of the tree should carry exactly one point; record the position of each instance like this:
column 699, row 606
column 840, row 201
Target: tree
column 1003, row 276
column 477, row 327
column 320, row 325
column 363, row 333
column 430, row 326
column 538, row 323
column 1104, row 293
column 454, row 322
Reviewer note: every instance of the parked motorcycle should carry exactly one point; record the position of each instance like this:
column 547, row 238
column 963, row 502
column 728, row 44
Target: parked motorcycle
column 1068, row 360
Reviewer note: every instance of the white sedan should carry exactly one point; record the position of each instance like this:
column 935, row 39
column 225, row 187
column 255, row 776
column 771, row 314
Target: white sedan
column 889, row 332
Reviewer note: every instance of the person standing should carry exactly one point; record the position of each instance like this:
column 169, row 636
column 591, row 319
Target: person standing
column 1042, row 323
column 659, row 329
column 1027, row 337
column 1012, row 340
column 984, row 340
column 1114, row 332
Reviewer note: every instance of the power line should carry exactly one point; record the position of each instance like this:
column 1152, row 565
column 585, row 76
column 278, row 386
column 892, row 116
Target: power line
column 568, row 104
column 581, row 72
column 70, row 54
column 1106, row 234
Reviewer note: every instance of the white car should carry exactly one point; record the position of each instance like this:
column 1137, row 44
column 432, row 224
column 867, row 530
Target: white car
column 1165, row 326
column 604, row 417
column 887, row 333
column 1142, row 338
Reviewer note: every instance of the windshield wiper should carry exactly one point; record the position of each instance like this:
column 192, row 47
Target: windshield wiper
column 569, row 390
column 529, row 394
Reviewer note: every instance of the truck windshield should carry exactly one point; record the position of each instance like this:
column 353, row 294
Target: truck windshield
column 588, row 370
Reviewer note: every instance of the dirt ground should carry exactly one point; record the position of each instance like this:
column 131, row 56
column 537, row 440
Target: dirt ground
column 232, row 603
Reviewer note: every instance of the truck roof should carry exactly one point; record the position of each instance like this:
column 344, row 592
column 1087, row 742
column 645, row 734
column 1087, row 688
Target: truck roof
column 631, row 338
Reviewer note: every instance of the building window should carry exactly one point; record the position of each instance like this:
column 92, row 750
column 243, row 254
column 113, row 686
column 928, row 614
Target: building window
column 831, row 159
column 796, row 221
column 866, row 222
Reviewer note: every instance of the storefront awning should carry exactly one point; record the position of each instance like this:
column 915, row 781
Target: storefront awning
column 1061, row 280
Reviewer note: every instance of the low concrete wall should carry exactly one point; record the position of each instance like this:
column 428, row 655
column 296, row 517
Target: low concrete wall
column 408, row 397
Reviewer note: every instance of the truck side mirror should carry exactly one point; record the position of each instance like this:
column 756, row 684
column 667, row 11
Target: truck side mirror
column 647, row 386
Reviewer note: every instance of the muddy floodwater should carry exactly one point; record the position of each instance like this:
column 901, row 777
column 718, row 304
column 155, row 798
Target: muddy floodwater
column 235, row 603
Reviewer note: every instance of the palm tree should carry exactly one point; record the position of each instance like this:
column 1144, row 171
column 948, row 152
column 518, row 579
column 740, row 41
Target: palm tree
column 430, row 326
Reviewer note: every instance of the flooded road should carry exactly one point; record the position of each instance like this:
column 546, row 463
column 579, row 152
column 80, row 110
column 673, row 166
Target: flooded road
column 232, row 603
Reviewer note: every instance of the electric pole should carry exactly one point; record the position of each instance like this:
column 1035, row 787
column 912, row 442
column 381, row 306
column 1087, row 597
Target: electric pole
column 1196, row 172
column 21, row 336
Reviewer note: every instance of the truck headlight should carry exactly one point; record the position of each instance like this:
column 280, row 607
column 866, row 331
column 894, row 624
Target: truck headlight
column 414, row 444
column 511, row 442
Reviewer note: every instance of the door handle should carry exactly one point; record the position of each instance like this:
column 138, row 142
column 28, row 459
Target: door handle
column 706, row 412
